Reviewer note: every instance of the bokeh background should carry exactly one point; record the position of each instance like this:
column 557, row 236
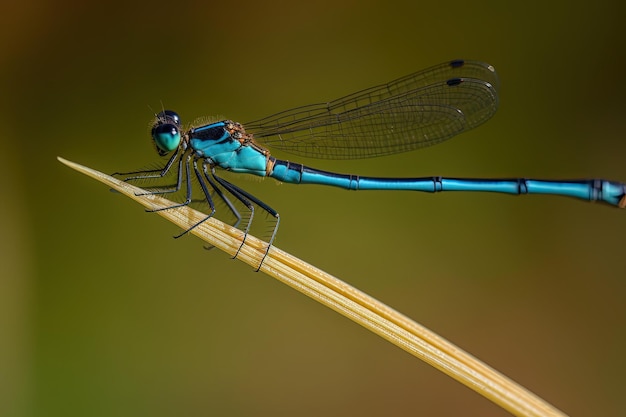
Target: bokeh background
column 103, row 314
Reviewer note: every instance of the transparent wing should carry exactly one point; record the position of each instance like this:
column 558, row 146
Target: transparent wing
column 418, row 110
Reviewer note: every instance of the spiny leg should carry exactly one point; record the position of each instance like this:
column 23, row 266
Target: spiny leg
column 207, row 197
column 178, row 185
column 233, row 190
column 246, row 198
column 224, row 198
column 179, row 179
column 158, row 173
column 161, row 173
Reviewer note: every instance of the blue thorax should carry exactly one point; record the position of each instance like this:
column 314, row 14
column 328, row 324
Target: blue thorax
column 226, row 144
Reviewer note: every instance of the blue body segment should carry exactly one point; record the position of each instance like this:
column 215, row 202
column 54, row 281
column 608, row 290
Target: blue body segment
column 612, row 193
column 418, row 110
column 215, row 142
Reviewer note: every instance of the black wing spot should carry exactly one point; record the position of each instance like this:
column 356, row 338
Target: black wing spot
column 454, row 81
column 457, row 63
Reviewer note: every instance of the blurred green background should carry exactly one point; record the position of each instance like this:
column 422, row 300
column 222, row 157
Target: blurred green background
column 104, row 314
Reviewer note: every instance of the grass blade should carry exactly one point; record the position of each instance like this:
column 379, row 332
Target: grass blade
column 346, row 300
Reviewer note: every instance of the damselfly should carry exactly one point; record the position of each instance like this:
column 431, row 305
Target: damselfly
column 415, row 111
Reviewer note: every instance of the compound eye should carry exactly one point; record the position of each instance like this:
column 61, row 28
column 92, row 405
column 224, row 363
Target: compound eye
column 166, row 137
column 168, row 116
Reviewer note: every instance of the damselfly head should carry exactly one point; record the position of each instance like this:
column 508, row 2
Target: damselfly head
column 166, row 132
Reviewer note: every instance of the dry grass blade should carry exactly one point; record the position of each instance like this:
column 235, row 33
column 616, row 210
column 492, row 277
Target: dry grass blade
column 347, row 300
